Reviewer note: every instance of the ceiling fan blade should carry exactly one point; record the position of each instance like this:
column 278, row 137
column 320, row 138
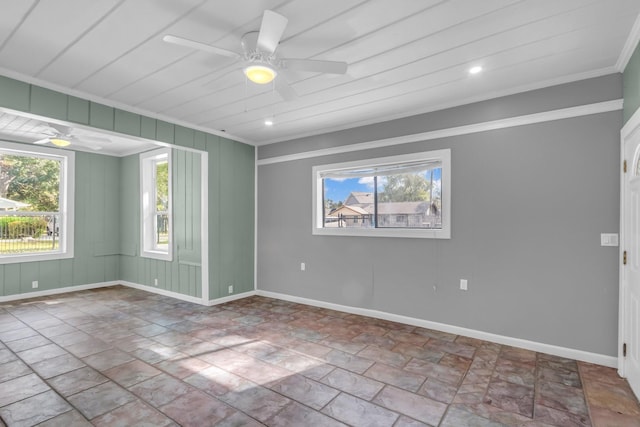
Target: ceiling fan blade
column 96, row 139
column 271, row 31
column 42, row 141
column 81, row 137
column 88, row 142
column 285, row 90
column 200, row 46
column 59, row 129
column 93, row 147
column 332, row 67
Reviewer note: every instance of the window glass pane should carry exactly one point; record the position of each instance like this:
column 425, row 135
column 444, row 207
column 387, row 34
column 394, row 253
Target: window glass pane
column 155, row 198
column 162, row 227
column 162, row 186
column 406, row 196
column 29, row 204
column 162, row 203
column 405, row 200
column 410, row 200
column 30, row 180
column 348, row 202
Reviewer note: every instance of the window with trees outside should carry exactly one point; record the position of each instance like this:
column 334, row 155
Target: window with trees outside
column 397, row 196
column 156, row 218
column 36, row 203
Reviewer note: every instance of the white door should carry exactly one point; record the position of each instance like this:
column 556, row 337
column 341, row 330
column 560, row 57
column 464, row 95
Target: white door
column 630, row 289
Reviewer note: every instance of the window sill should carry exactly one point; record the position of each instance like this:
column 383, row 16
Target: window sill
column 46, row 256
column 163, row 256
column 384, row 232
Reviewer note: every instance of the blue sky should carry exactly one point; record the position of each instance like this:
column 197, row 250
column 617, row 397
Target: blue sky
column 339, row 190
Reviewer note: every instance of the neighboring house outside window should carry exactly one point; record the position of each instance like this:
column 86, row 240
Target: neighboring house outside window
column 397, row 196
column 36, row 203
column 156, row 207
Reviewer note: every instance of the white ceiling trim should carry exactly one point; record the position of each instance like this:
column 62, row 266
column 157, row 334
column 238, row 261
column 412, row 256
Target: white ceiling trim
column 110, row 103
column 528, row 119
column 629, row 46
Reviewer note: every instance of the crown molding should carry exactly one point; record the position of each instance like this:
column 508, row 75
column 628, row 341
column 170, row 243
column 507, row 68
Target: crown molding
column 546, row 116
column 629, row 46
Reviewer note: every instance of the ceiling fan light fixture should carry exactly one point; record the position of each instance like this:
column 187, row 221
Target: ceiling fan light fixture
column 260, row 74
column 60, row 142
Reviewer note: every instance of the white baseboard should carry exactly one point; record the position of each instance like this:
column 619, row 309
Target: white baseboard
column 584, row 356
column 231, row 298
column 188, row 298
column 56, row 291
column 163, row 292
column 146, row 288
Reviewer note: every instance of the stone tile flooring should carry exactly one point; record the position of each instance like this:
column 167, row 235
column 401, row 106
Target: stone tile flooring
column 123, row 357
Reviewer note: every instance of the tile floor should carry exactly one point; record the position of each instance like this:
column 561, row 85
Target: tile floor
column 123, row 357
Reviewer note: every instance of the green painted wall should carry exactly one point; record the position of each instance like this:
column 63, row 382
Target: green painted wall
column 230, row 208
column 631, row 85
column 231, row 217
column 183, row 274
column 96, row 250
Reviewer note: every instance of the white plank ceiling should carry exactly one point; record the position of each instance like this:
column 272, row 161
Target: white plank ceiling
column 405, row 57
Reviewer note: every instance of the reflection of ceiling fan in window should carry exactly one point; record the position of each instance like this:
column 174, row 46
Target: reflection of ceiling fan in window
column 63, row 136
column 261, row 64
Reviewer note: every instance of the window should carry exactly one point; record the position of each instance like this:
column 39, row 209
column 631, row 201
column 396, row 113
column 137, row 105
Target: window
column 398, row 196
column 36, row 203
column 156, row 223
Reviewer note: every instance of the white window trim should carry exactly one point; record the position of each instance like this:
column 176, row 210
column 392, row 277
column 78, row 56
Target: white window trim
column 443, row 155
column 147, row 223
column 66, row 204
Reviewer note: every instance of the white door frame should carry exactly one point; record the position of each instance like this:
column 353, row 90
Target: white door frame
column 628, row 132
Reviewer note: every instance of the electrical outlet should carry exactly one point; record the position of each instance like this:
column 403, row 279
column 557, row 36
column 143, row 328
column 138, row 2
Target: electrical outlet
column 34, row 284
column 303, row 266
column 155, row 282
column 463, row 284
column 230, row 289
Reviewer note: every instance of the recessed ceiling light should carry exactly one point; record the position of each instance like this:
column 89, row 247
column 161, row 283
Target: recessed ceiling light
column 268, row 122
column 475, row 70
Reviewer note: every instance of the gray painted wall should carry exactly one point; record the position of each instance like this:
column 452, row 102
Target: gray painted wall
column 632, row 85
column 528, row 206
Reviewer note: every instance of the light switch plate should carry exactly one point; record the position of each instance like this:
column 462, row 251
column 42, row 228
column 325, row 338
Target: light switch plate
column 609, row 239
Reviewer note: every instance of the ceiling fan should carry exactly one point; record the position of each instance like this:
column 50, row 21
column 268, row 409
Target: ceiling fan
column 63, row 136
column 261, row 63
